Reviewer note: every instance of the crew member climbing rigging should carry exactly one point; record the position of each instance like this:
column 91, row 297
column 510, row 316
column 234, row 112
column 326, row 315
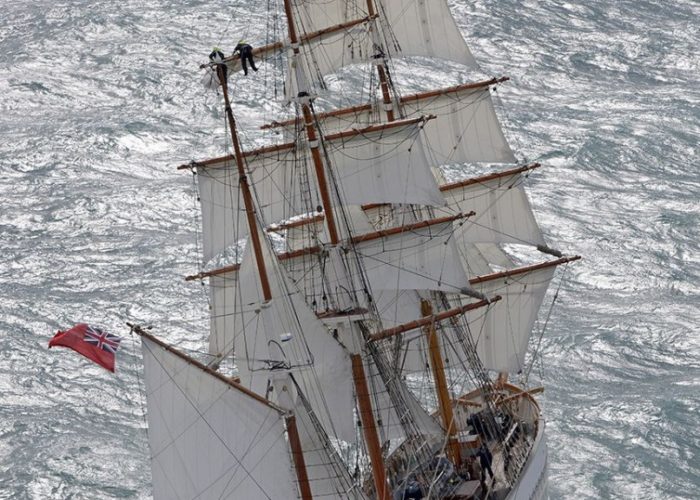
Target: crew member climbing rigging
column 246, row 52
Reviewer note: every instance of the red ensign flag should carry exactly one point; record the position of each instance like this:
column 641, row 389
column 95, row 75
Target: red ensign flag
column 93, row 343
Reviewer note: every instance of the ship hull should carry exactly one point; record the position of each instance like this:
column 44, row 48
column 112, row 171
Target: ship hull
column 532, row 483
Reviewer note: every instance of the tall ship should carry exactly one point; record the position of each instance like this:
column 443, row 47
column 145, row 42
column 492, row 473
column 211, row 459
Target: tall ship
column 375, row 273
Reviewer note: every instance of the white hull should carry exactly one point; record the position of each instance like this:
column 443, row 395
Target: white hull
column 532, row 484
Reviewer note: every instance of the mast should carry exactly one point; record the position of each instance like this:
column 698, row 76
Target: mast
column 247, row 198
column 443, row 395
column 365, row 406
column 311, row 135
column 298, row 456
column 369, row 428
column 346, row 270
column 381, row 67
column 292, row 431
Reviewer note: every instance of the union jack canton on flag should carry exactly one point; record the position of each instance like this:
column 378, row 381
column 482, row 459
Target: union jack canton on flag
column 102, row 339
column 93, row 343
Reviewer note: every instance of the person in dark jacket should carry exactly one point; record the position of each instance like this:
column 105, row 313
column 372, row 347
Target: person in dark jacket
column 246, row 52
column 217, row 59
column 485, row 458
column 412, row 490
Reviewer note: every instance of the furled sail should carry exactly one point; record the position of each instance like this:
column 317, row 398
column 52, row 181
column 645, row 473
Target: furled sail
column 260, row 53
column 208, row 438
column 297, row 234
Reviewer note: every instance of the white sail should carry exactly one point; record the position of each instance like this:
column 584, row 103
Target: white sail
column 387, row 415
column 419, row 258
column 501, row 335
column 466, row 128
column 328, row 475
column 493, row 254
column 425, row 28
column 324, row 55
column 384, row 165
column 409, row 27
column 223, row 298
column 396, row 307
column 209, row 440
column 479, row 259
column 474, row 262
column 500, row 332
column 282, row 334
column 406, row 28
column 503, row 211
column 223, row 213
column 317, row 14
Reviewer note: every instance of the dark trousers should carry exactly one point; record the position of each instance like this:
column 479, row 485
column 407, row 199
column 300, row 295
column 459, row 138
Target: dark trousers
column 485, row 460
column 247, row 57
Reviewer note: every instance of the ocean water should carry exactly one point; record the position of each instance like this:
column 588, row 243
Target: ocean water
column 100, row 101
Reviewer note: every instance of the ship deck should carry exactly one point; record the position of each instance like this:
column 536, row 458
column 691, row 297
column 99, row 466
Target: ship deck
column 519, row 416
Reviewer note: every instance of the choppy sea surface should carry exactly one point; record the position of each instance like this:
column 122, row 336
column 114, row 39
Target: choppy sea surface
column 100, row 101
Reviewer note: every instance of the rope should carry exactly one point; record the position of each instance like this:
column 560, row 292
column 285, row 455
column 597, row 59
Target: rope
column 546, row 322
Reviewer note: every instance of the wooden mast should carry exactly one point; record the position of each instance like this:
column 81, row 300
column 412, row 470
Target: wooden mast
column 298, row 456
column 369, row 428
column 443, row 395
column 365, row 406
column 313, row 138
column 292, row 431
column 245, row 189
column 381, row 69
